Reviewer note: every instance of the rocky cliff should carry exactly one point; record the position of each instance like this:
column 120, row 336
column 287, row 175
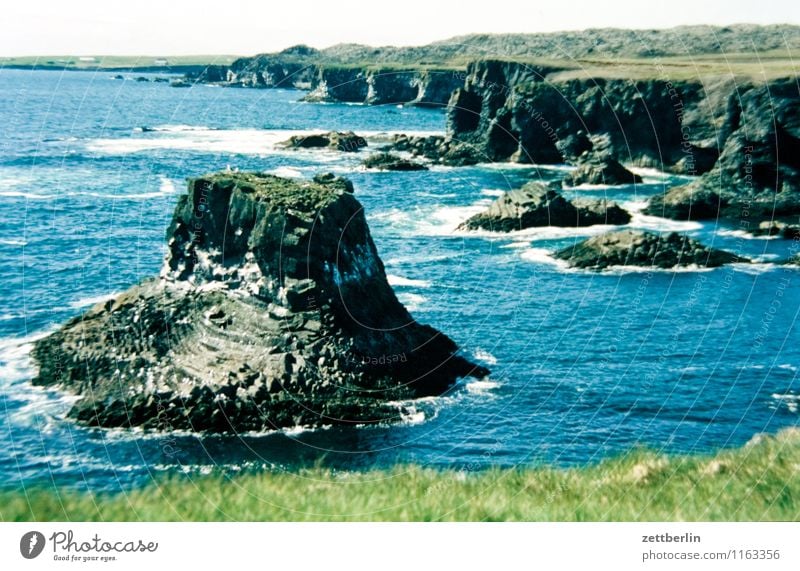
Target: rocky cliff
column 272, row 310
column 743, row 136
column 335, row 83
column 513, row 111
column 756, row 180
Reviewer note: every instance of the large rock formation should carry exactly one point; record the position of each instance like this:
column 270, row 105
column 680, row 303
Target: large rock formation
column 354, row 84
column 272, row 310
column 756, row 181
column 639, row 248
column 530, row 113
column 741, row 135
column 536, row 204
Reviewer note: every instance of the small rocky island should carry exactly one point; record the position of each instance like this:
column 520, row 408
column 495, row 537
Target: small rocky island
column 645, row 249
column 537, row 204
column 272, row 310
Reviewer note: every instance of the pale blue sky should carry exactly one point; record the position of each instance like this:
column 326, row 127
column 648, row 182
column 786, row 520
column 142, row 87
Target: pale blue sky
column 38, row 27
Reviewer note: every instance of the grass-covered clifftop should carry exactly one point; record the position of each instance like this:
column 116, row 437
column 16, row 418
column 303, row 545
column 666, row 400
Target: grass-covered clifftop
column 758, row 482
column 143, row 63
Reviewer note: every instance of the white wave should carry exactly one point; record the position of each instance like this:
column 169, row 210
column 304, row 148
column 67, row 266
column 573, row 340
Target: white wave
column 790, row 401
column 517, row 245
column 29, row 195
column 257, row 142
column 493, row 192
column 481, row 387
column 745, row 235
column 401, row 281
column 755, row 268
column 444, row 220
column 525, row 166
column 107, row 196
column 175, row 128
column 484, row 356
column 411, row 416
column 658, row 224
column 587, row 186
column 89, row 301
column 624, row 270
column 412, row 301
column 634, row 206
column 166, row 186
column 542, row 256
column 237, row 141
column 13, row 242
column 286, row 172
column 544, row 233
column 40, row 406
column 12, row 181
column 649, row 174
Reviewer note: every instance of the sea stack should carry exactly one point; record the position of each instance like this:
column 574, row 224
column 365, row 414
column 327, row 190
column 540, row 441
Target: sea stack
column 272, row 310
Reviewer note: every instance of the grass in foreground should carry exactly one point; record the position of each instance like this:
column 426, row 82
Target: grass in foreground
column 760, row 481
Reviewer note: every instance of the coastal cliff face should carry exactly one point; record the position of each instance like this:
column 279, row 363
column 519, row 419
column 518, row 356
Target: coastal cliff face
column 756, row 181
column 345, row 84
column 383, row 86
column 513, row 111
column 272, row 310
column 743, row 137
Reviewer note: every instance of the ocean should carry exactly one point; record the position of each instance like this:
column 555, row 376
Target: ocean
column 584, row 365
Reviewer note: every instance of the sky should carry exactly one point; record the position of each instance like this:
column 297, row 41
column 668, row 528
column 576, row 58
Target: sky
column 245, row 27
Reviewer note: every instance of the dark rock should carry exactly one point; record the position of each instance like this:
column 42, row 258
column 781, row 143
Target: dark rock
column 594, row 169
column 757, row 177
column 391, row 162
column 142, row 79
column 687, row 202
column 574, row 145
column 272, row 310
column 161, row 80
column 346, row 141
column 789, row 230
column 544, row 114
column 437, row 149
column 118, row 76
column 180, row 83
column 536, row 205
column 338, row 182
column 639, row 248
column 600, row 211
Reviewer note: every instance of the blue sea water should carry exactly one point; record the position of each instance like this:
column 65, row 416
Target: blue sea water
column 584, row 365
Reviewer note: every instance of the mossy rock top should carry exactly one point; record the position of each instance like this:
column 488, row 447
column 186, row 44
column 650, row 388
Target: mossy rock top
column 279, row 192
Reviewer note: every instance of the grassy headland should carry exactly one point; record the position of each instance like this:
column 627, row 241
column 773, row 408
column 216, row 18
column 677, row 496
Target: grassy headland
column 166, row 64
column 758, row 482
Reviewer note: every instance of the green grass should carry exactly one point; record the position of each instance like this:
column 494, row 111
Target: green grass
column 760, row 481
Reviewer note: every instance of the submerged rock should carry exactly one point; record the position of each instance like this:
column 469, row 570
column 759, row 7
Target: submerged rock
column 538, row 205
column 272, row 310
column 391, row 162
column 346, row 141
column 640, row 248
